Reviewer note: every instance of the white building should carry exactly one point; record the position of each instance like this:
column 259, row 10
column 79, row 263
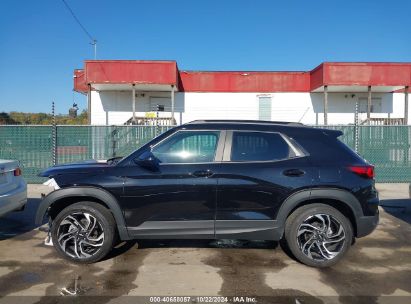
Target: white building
column 123, row 92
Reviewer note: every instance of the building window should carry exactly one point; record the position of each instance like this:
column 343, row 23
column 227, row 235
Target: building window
column 376, row 105
column 264, row 108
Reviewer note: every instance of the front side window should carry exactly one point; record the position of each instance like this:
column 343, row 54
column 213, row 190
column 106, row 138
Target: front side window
column 259, row 146
column 188, row 147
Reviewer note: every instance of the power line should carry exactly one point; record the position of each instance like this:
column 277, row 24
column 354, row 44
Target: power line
column 93, row 41
column 77, row 20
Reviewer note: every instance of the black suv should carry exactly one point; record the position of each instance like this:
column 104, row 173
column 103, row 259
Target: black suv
column 248, row 180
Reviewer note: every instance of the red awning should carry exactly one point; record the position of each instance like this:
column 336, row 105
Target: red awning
column 164, row 75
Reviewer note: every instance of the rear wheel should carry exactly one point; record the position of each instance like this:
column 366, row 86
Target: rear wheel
column 318, row 235
column 83, row 232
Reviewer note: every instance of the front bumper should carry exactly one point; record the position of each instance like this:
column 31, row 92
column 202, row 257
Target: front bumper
column 14, row 200
column 367, row 224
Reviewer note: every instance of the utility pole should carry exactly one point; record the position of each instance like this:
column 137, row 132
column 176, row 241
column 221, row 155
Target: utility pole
column 94, row 44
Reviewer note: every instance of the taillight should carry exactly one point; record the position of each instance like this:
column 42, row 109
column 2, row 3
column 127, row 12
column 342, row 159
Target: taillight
column 17, row 172
column 364, row 171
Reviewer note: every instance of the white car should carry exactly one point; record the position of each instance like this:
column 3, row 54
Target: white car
column 13, row 188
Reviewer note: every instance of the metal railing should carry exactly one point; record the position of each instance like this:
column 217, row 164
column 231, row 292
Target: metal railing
column 387, row 147
column 151, row 121
column 384, row 121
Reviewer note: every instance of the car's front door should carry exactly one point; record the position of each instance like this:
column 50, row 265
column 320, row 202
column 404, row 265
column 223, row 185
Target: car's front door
column 259, row 170
column 178, row 198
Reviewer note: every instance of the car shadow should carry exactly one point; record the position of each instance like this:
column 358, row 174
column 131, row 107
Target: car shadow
column 123, row 247
column 400, row 208
column 219, row 243
column 19, row 222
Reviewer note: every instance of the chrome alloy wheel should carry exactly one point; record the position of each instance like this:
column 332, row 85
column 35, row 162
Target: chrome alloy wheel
column 321, row 237
column 80, row 235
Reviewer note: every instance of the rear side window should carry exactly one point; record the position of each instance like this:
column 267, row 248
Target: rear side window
column 259, row 146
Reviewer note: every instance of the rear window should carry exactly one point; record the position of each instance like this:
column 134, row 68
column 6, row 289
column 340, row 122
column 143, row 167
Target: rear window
column 348, row 150
column 259, row 146
column 326, row 147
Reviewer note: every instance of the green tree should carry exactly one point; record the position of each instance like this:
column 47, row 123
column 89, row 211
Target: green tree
column 5, row 119
column 22, row 118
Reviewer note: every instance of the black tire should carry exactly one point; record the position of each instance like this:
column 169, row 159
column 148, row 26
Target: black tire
column 105, row 225
column 299, row 237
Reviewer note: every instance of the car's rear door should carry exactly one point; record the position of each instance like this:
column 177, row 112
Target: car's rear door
column 259, row 170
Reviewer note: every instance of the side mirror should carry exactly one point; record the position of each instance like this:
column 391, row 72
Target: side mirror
column 147, row 160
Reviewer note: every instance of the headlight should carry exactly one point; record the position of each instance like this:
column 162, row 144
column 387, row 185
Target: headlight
column 52, row 183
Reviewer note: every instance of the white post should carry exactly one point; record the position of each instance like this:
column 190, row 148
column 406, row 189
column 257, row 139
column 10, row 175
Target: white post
column 172, row 103
column 325, row 105
column 369, row 106
column 406, row 106
column 89, row 104
column 134, row 102
column 356, row 133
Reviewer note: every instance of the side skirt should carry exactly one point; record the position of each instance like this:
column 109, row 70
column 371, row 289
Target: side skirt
column 224, row 229
column 248, row 230
column 173, row 230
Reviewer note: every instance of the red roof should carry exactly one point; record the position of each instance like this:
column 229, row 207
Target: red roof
column 361, row 74
column 167, row 73
column 244, row 81
column 131, row 71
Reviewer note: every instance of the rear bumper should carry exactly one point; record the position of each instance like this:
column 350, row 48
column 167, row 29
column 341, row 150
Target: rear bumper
column 367, row 224
column 13, row 200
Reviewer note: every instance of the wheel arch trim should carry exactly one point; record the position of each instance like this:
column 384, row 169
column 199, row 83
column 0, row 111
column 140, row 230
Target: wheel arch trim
column 94, row 192
column 300, row 197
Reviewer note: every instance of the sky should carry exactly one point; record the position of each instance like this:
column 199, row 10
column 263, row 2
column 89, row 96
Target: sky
column 41, row 44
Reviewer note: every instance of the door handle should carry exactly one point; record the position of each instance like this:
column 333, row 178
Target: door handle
column 293, row 172
column 203, row 173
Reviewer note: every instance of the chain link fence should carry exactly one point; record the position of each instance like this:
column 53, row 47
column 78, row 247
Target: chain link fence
column 387, row 147
column 33, row 145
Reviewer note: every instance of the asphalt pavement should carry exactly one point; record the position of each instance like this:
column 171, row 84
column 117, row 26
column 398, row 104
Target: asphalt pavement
column 377, row 269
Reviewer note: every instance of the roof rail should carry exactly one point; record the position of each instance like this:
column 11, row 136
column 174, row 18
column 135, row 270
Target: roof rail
column 262, row 122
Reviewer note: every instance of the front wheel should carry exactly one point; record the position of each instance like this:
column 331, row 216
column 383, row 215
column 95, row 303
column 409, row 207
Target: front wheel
column 83, row 232
column 318, row 235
